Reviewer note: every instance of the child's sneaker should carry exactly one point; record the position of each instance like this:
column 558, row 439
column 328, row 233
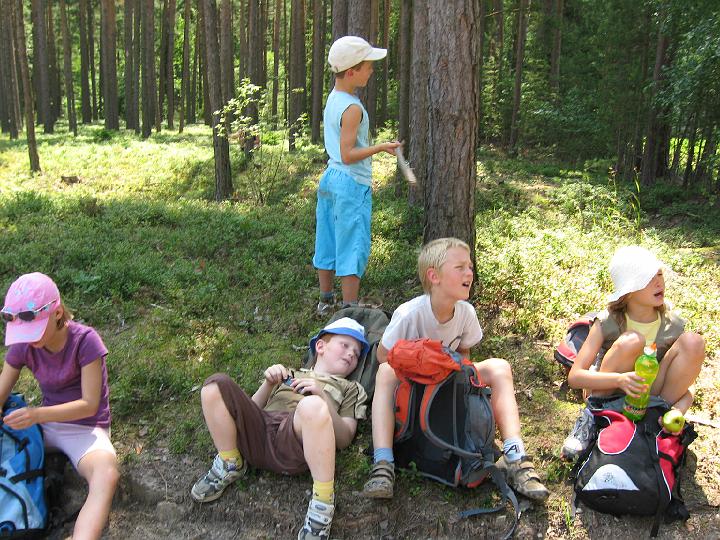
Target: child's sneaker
column 318, row 521
column 522, row 478
column 580, row 437
column 220, row 476
column 325, row 309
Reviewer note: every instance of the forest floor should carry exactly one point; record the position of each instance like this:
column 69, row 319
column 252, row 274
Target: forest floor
column 180, row 287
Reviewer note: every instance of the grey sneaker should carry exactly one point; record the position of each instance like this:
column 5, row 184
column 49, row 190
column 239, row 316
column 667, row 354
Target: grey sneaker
column 325, row 309
column 581, row 436
column 318, row 521
column 220, row 476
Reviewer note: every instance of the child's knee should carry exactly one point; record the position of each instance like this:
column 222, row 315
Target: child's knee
column 631, row 343
column 494, row 370
column 385, row 376
column 692, row 345
column 313, row 409
column 210, row 394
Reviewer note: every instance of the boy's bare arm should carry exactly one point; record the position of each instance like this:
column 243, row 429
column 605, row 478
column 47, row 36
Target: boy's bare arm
column 349, row 152
column 275, row 374
column 382, row 353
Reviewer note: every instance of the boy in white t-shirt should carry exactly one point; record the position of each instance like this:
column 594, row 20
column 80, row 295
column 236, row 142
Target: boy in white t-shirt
column 443, row 313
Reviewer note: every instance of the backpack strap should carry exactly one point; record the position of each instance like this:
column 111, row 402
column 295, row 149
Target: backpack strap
column 652, row 449
column 507, row 495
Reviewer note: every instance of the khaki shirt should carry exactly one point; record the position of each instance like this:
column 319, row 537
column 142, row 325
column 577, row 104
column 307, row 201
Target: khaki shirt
column 671, row 327
column 349, row 397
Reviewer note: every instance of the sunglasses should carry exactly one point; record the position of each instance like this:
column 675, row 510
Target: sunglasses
column 26, row 316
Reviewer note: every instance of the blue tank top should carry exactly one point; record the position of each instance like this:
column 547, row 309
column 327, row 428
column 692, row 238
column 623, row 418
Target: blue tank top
column 337, row 103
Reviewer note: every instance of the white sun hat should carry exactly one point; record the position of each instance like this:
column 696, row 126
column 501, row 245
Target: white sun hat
column 349, row 51
column 631, row 269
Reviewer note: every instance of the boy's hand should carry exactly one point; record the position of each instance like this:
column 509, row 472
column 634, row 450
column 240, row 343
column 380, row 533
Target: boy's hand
column 307, row 387
column 631, row 384
column 390, row 147
column 21, row 418
column 275, row 374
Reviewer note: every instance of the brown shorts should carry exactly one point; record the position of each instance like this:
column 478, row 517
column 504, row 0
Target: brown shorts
column 266, row 439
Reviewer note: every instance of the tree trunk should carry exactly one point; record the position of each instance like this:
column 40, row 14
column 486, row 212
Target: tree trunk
column 8, row 75
column 40, row 64
column 297, row 69
column 21, row 54
column 242, row 37
column 452, row 126
column 170, row 54
column 53, row 71
column 481, row 63
column 358, row 24
column 85, row 108
column 91, row 56
column 340, row 10
column 654, row 124
column 418, row 109
column 193, row 94
column 404, row 63
column 149, row 100
column 162, row 59
column 109, row 67
column 129, row 58
column 318, row 68
column 519, row 60
column 207, row 111
column 226, row 51
column 137, row 62
column 556, row 48
column 223, row 179
column 185, row 82
column 276, row 59
column 67, row 65
column 372, row 85
column 382, row 114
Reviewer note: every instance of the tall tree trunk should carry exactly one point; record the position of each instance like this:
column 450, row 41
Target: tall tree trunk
column 452, row 129
column 297, row 69
column 8, row 75
column 481, row 63
column 21, row 54
column 654, row 124
column 404, row 63
column 91, row 57
column 53, row 71
column 109, row 67
column 193, row 94
column 207, row 111
column 318, row 68
column 129, row 58
column 382, row 115
column 41, row 65
column 519, row 61
column 418, row 110
column 340, row 10
column 149, row 101
column 67, row 65
column 226, row 51
column 162, row 59
column 137, row 63
column 691, row 154
column 185, row 82
column 276, row 59
column 372, row 85
column 85, row 107
column 556, row 48
column 359, row 16
column 223, row 179
column 256, row 46
column 242, row 37
column 169, row 88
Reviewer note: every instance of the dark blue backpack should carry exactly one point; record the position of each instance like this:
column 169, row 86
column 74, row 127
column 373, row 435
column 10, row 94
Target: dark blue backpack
column 23, row 510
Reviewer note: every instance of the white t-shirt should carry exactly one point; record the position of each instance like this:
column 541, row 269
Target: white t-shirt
column 415, row 319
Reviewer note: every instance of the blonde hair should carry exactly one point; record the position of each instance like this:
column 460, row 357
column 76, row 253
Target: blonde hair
column 618, row 309
column 434, row 254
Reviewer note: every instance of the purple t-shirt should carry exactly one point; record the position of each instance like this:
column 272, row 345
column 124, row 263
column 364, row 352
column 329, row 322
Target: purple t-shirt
column 58, row 374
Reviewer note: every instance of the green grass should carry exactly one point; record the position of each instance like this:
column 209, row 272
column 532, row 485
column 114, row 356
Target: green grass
column 181, row 287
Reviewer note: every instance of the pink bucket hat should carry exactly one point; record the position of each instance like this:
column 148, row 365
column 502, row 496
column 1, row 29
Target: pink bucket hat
column 29, row 302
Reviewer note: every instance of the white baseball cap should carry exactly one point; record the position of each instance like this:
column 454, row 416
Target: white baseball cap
column 349, row 51
column 631, row 269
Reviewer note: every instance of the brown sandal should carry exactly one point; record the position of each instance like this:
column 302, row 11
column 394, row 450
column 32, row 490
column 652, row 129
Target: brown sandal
column 381, row 482
column 521, row 475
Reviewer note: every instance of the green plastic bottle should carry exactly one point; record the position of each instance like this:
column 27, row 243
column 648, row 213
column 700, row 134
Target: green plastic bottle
column 646, row 366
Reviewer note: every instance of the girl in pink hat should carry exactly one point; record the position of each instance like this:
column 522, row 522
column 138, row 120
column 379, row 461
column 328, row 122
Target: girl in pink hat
column 68, row 361
column 636, row 316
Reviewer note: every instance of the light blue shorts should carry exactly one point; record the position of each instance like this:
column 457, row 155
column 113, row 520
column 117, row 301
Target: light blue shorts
column 342, row 233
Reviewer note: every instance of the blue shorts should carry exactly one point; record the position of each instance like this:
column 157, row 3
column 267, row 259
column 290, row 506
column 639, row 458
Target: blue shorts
column 342, row 233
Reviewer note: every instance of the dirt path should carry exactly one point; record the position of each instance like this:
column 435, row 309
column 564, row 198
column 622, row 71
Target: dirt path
column 153, row 502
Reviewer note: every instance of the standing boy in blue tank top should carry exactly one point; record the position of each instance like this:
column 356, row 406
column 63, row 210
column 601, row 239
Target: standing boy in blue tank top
column 344, row 203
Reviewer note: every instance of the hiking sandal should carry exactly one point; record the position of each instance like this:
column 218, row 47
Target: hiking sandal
column 381, row 482
column 521, row 475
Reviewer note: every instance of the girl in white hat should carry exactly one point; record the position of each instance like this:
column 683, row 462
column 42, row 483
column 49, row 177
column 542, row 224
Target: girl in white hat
column 636, row 316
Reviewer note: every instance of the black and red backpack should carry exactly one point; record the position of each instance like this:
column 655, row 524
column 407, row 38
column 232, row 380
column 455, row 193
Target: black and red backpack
column 633, row 467
column 443, row 420
column 567, row 350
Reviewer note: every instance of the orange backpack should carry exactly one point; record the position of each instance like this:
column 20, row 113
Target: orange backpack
column 443, row 420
